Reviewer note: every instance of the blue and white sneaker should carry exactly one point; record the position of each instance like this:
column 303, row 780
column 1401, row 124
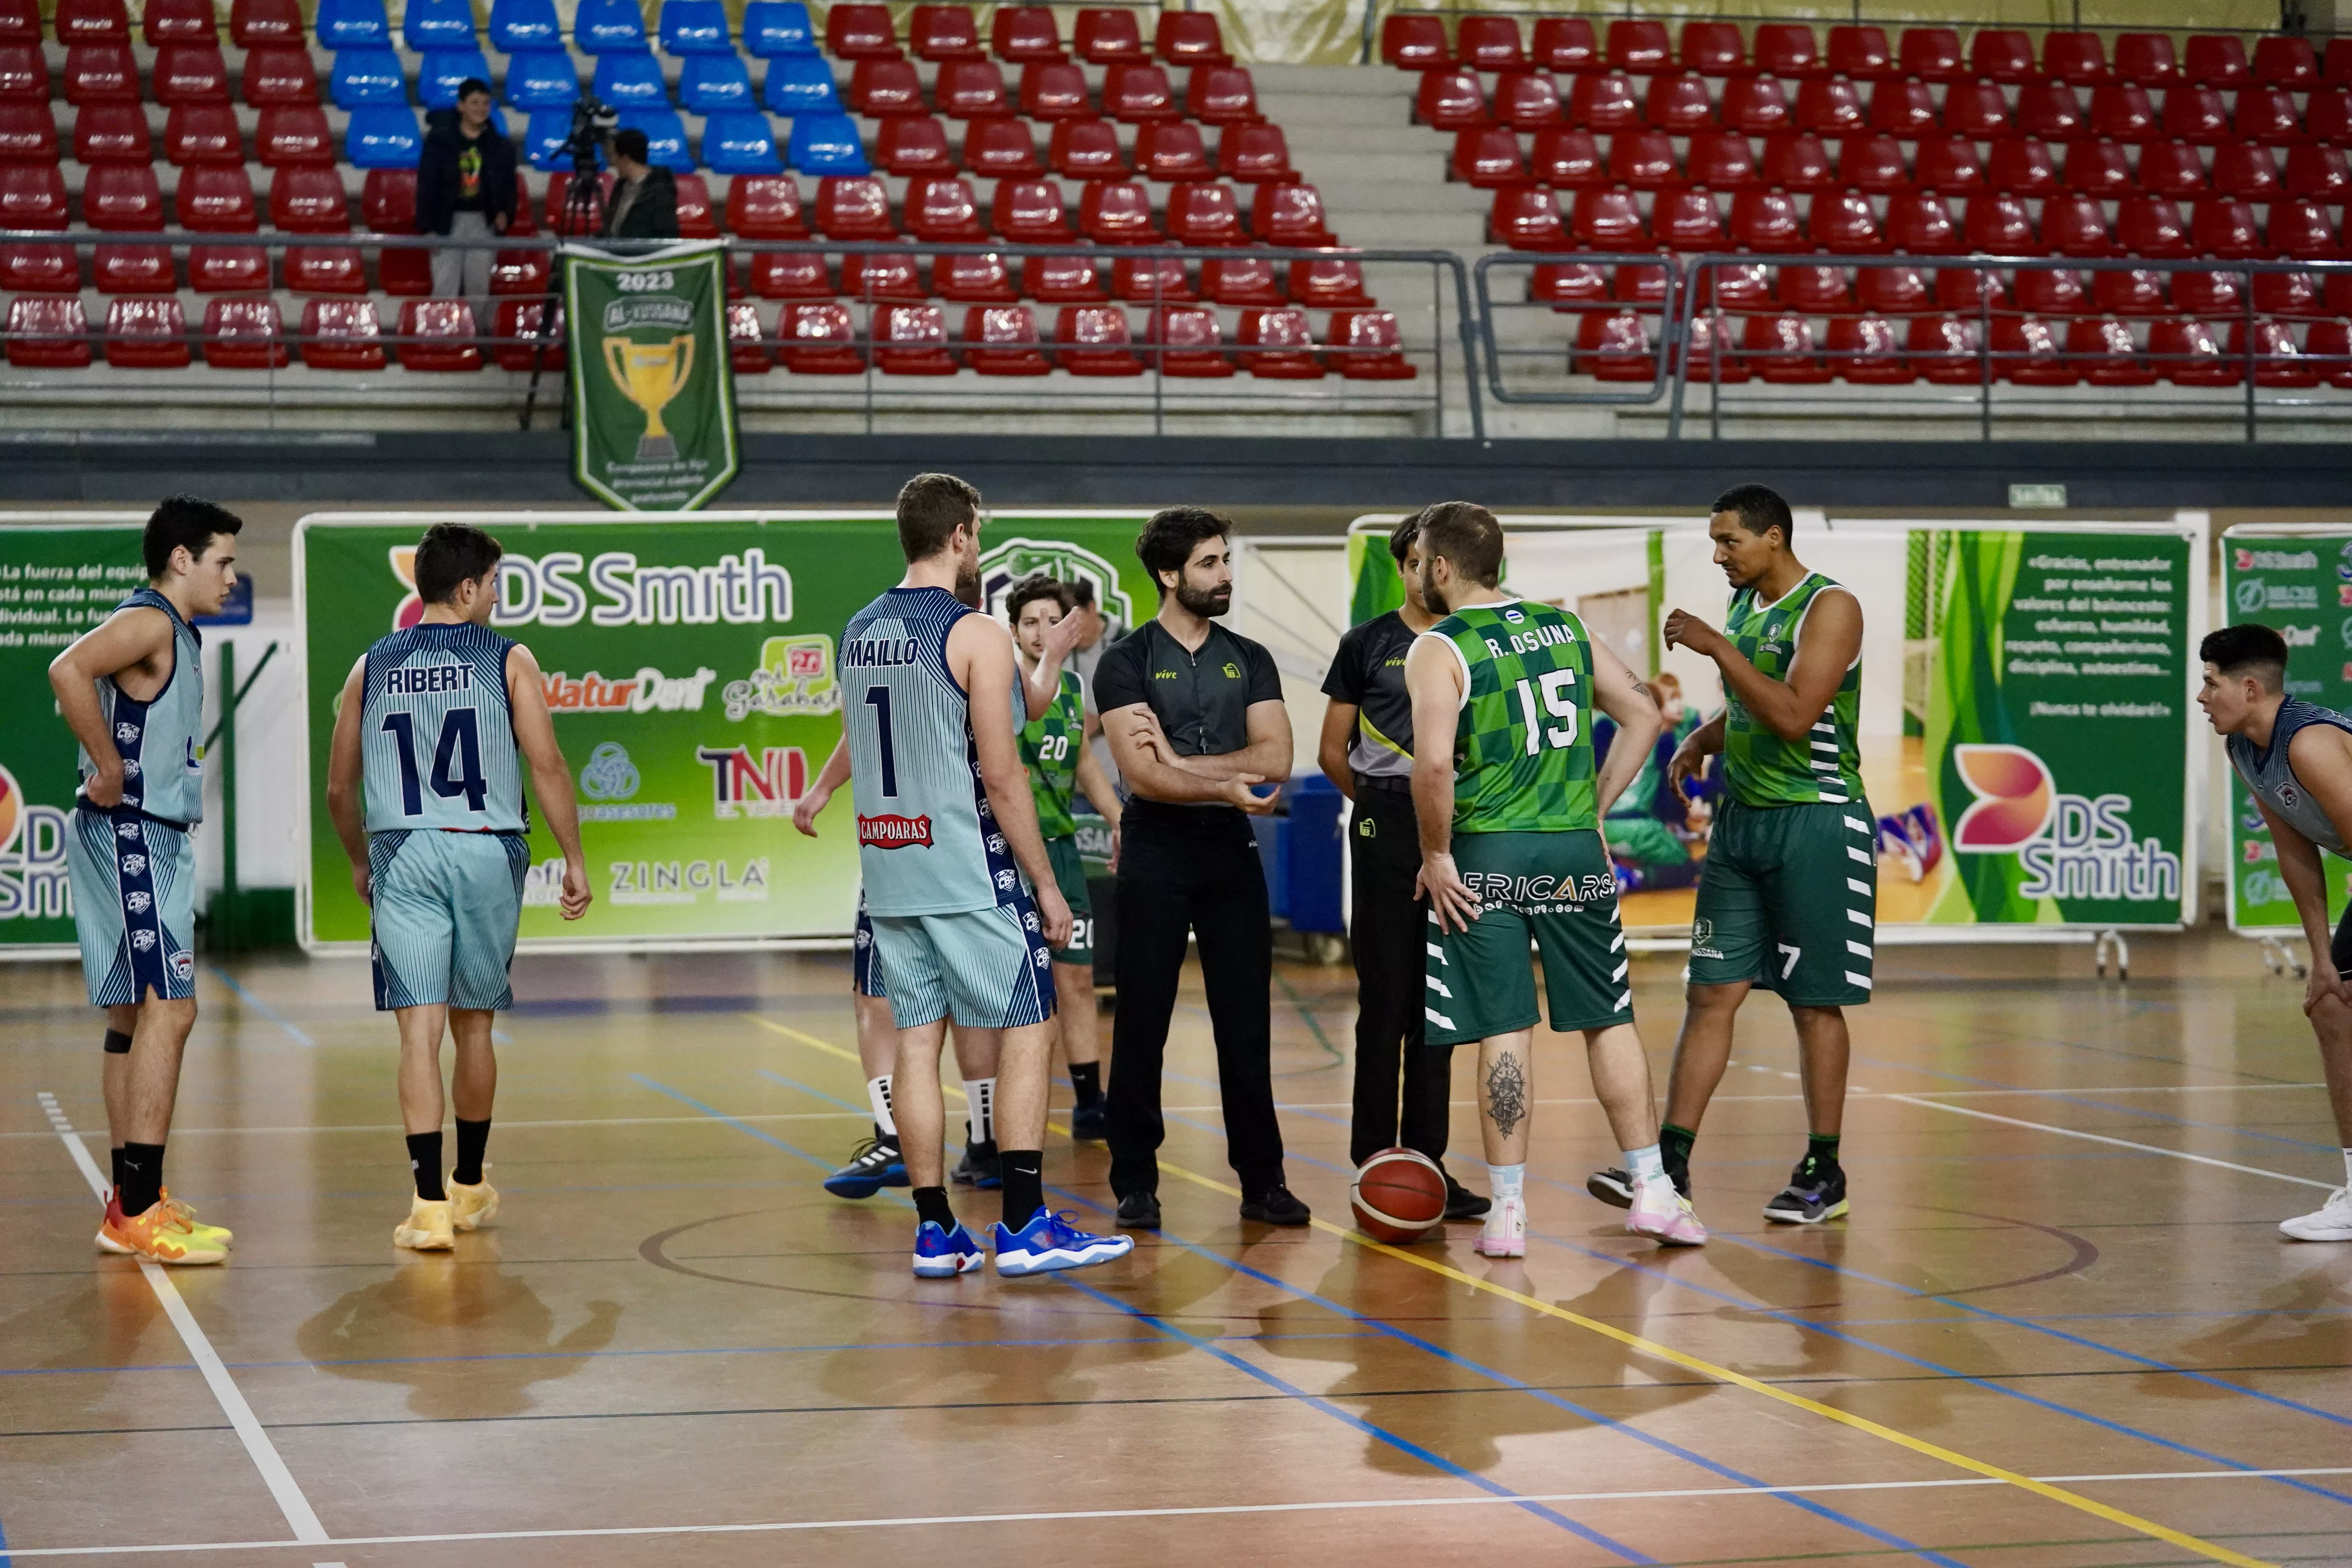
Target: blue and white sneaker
column 875, row 1165
column 944, row 1254
column 1049, row 1242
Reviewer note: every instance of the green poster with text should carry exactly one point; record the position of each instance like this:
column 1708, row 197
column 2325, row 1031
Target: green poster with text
column 653, row 392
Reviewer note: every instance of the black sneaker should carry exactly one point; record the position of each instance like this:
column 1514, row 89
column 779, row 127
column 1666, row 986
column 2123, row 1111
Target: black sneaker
column 1276, row 1206
column 1814, row 1193
column 1615, row 1188
column 1140, row 1211
column 1461, row 1203
column 979, row 1167
column 1090, row 1123
column 874, row 1165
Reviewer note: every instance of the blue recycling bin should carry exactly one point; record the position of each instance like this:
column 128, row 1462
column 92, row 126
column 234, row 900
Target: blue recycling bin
column 1301, row 846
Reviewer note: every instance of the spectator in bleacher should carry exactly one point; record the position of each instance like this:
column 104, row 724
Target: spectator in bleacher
column 465, row 189
column 643, row 204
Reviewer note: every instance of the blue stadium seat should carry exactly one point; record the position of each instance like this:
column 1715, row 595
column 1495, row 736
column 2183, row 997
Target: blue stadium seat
column 626, row 81
column 695, row 28
column 352, row 24
column 382, row 136
column 541, row 79
column 437, row 24
column 604, row 27
column 365, row 76
column 739, row 141
column 440, row 71
column 710, row 83
column 546, row 131
column 827, row 144
column 665, row 137
column 801, row 84
column 774, row 27
column 517, row 25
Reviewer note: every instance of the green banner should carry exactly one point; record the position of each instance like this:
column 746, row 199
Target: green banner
column 653, row 392
column 56, row 583
column 2298, row 580
column 690, row 663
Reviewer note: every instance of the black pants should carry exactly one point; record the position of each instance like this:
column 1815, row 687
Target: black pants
column 1388, row 928
column 1207, row 879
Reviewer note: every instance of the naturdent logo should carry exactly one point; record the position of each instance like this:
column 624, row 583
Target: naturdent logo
column 648, row 691
column 2068, row 845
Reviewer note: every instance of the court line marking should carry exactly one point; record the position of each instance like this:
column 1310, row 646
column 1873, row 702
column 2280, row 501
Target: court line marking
column 1689, row 1362
column 1335, row 1506
column 300, row 1517
column 2117, row 1142
column 259, row 1005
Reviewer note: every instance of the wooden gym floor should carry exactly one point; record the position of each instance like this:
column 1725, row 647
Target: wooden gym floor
column 2058, row 1330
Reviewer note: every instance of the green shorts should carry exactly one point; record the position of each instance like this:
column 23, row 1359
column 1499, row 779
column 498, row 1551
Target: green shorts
column 1555, row 890
column 1788, row 899
column 1644, row 841
column 1070, row 875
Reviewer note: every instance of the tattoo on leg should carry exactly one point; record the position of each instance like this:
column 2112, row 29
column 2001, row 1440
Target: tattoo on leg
column 1506, row 1093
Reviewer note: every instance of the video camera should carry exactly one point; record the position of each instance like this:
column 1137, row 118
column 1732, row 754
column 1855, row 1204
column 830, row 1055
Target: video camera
column 593, row 121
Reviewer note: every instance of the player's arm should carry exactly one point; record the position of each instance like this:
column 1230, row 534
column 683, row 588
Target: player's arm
column 980, row 651
column 1043, row 684
column 1827, row 645
column 1331, row 746
column 1619, row 693
column 550, row 776
column 1691, row 756
column 829, row 778
column 125, row 639
column 1131, row 730
column 346, row 780
column 1433, row 679
column 1096, row 785
column 2321, row 758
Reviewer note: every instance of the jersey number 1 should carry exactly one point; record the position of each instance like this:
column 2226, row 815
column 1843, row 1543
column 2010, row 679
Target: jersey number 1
column 879, row 699
column 456, row 761
column 1556, row 702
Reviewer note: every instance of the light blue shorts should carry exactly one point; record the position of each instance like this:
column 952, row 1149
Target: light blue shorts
column 864, row 977
column 134, row 902
column 988, row 968
column 447, row 908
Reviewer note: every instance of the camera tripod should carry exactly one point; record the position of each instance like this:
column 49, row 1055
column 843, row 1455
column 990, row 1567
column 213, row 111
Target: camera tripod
column 583, row 214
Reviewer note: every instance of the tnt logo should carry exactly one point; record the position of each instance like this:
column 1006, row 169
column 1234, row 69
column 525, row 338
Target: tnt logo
column 742, row 788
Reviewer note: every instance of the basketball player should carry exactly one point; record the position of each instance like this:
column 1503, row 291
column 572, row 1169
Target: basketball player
column 1789, row 894
column 1508, row 806
column 425, row 785
column 132, row 690
column 945, row 831
column 1054, row 747
column 2296, row 759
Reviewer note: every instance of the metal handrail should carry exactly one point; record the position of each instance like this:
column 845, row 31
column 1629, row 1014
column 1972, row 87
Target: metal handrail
column 1629, row 12
column 1664, row 308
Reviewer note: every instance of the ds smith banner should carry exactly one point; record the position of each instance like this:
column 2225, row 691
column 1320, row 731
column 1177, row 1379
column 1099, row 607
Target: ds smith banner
column 653, row 393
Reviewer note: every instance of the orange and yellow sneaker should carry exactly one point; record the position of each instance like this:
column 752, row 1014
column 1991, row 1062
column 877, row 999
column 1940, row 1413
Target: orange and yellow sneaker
column 470, row 1205
column 427, row 1228
column 156, row 1236
column 187, row 1215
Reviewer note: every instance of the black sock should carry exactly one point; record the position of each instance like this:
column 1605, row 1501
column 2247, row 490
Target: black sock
column 118, row 1170
column 887, row 1140
column 1085, row 1077
column 424, row 1160
column 1675, row 1147
column 1821, row 1150
column 931, row 1203
column 473, row 1137
column 143, row 1177
column 1025, row 1184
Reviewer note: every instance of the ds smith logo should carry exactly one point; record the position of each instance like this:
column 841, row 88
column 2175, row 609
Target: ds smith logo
column 2069, row 846
column 34, row 882
column 2275, row 560
column 740, row 590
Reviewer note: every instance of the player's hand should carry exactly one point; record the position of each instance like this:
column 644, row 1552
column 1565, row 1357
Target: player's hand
column 1113, row 866
column 577, row 894
column 1684, row 629
column 1053, row 914
column 2323, row 983
column 1687, row 761
column 1060, row 638
column 104, row 787
column 1237, row 790
column 363, row 884
column 1450, row 898
column 806, row 809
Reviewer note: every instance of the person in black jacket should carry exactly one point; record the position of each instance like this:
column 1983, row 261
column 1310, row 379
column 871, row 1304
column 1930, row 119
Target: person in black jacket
column 644, row 202
column 466, row 189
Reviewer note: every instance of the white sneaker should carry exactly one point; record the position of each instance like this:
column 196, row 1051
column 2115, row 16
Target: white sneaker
column 2332, row 1221
column 1506, row 1234
column 1663, row 1214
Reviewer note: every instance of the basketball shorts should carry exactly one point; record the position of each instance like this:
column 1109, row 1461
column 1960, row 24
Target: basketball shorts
column 864, row 978
column 1788, row 899
column 987, row 969
column 447, row 909
column 1553, row 890
column 135, row 899
column 1070, row 875
column 1644, row 841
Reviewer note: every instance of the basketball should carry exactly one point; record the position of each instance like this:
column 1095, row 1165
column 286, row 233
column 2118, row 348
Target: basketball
column 1398, row 1197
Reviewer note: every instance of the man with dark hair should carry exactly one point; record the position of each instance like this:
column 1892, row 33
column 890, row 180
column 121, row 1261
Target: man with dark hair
column 466, row 189
column 1788, row 897
column 2295, row 758
column 436, row 726
column 643, row 204
column 1194, row 717
column 1507, row 801
column 1366, row 750
column 132, row 690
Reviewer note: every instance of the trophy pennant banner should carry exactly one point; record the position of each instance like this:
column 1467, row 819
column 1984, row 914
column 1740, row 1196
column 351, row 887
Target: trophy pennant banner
column 653, row 393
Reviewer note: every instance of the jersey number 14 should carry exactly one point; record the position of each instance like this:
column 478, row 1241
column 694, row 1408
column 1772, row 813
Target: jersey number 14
column 1556, row 702
column 456, row 761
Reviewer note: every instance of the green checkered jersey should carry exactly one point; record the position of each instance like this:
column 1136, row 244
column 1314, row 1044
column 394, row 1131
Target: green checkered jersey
column 1523, row 747
column 1049, row 744
column 1761, row 768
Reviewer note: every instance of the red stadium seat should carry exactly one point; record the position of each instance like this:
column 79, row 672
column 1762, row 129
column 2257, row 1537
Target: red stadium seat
column 1702, row 365
column 2146, row 58
column 860, row 33
column 217, row 199
column 2152, row 227
column 2328, row 115
column 1906, row 109
column 818, row 337
column 244, row 334
column 1862, row 53
column 2121, row 111
column 1787, row 48
column 1489, row 43
column 1117, row 212
column 92, row 22
column 28, row 133
column 1085, row 150
column 279, row 76
column 2218, row 61
column 1530, row 219
column 308, row 200
column 887, row 275
column 1364, row 345
column 1779, row 349
column 2335, row 61
column 132, row 269
column 942, row 33
column 1976, row 109
column 1615, row 348
column 1893, row 290
column 1107, row 36
column 445, row 333
column 1996, row 224
column 2250, row 172
column 1526, row 100
column 2047, row 110
column 1204, row 215
column 2173, row 169
column 23, row 74
column 1289, row 215
column 170, row 21
column 1135, row 94
column 1564, row 44
column 1002, row 341
column 1414, row 42
column 1277, row 345
column 765, row 207
column 190, row 74
column 1643, row 160
column 1003, row 150
column 913, row 147
column 1257, row 154
column 2223, row 229
column 1633, row 283
column 2278, row 359
column 1752, row 105
column 1240, row 280
column 287, row 137
column 970, row 90
column 1948, row 166
column 1943, row 350
column 1188, row 340
column 48, row 332
column 2052, row 290
column 2186, row 353
column 1570, row 160
column 2076, row 225
column 2329, row 345
column 1713, row 48
column 1640, row 47
column 2196, row 114
column 103, row 134
column 2288, row 294
column 1220, row 95
column 101, row 73
column 2301, row 231
column 2267, row 114
column 748, row 350
column 943, row 211
column 1932, row 54
column 1063, row 280
column 2138, row 292
column 1190, row 38
column 1092, row 339
column 1688, row 220
column 1021, row 34
column 1719, row 160
column 1604, row 101
column 1798, row 162
column 1451, row 99
column 789, row 275
column 1565, row 285
column 2078, row 60
column 201, row 133
column 1766, row 221
column 2027, row 353
column 1055, row 90
column 258, row 24
column 852, row 206
column 879, row 89
column 986, row 279
column 343, row 334
column 2319, row 173
column 122, row 199
column 1744, row 285
column 2099, row 169
column 2288, row 62
column 1919, row 224
column 1831, row 107
column 2001, row 55
column 1329, row 281
column 228, row 269
column 1679, row 104
column 2206, row 293
column 1030, row 212
column 2104, row 353
column 912, row 340
column 1605, row 220
column 1872, row 164
column 1816, row 291
column 2021, row 168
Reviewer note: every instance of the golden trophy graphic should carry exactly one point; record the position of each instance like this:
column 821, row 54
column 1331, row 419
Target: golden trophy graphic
column 649, row 375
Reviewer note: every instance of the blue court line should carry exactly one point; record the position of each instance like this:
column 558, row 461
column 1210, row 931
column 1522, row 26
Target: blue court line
column 259, row 1005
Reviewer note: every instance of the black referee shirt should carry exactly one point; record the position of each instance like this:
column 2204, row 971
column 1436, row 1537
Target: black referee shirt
column 1202, row 698
column 1367, row 673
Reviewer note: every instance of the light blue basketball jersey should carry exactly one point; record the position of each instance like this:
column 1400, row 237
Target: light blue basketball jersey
column 927, row 840
column 2270, row 778
column 158, row 737
column 436, row 733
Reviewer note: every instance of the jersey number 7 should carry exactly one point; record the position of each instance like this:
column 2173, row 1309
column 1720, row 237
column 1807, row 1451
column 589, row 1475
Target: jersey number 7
column 460, row 747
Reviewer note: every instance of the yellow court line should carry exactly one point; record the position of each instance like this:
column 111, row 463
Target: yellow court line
column 1704, row 1368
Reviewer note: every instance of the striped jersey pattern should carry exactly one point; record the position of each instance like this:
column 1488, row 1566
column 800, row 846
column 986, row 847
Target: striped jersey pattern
column 436, row 733
column 1049, row 746
column 158, row 739
column 1523, row 747
column 1759, row 767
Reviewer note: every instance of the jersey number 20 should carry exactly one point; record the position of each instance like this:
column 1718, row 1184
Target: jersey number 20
column 456, row 761
column 1556, row 702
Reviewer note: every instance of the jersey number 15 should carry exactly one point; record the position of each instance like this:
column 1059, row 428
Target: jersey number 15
column 1556, row 702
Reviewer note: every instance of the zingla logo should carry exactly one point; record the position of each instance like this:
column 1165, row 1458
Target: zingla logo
column 2068, row 845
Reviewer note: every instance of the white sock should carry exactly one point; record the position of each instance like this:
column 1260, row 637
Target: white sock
column 877, row 1095
column 1646, row 1164
column 980, row 1109
column 1506, row 1180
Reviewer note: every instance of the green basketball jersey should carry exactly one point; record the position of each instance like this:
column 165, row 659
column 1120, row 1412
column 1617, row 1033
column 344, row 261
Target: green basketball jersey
column 1760, row 768
column 1049, row 745
column 1523, row 747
